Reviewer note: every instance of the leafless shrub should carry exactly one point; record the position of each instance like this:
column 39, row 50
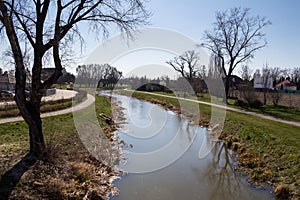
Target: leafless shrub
column 275, row 97
column 251, row 97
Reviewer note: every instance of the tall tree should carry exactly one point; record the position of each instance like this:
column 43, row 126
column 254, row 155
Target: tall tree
column 266, row 77
column 235, row 37
column 215, row 70
column 48, row 27
column 275, row 73
column 246, row 73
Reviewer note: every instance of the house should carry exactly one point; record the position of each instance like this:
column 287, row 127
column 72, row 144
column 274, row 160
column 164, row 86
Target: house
column 235, row 82
column 286, row 85
column 7, row 81
column 47, row 72
column 261, row 83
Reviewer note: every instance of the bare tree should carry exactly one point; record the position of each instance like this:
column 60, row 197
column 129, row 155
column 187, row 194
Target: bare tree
column 275, row 74
column 47, row 26
column 215, row 70
column 295, row 75
column 235, row 38
column 266, row 76
column 246, row 73
column 187, row 65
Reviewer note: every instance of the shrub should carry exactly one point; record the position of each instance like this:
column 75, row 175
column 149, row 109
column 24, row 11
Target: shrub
column 256, row 104
column 251, row 97
column 275, row 96
column 241, row 103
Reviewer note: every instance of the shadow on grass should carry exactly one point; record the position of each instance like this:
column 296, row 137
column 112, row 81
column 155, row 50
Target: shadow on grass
column 10, row 179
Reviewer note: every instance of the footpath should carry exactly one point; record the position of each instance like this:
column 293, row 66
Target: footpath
column 231, row 109
column 60, row 94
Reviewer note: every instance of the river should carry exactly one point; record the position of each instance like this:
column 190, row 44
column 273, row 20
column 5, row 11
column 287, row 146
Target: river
column 162, row 159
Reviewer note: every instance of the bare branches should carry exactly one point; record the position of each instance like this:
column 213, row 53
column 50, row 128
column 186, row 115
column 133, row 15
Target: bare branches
column 25, row 29
column 99, row 14
column 186, row 64
column 235, row 38
column 236, row 35
column 30, row 21
column 246, row 72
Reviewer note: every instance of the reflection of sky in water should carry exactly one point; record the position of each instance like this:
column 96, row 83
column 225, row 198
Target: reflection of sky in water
column 144, row 120
column 211, row 177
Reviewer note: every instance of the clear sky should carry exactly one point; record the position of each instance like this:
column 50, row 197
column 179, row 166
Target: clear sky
column 192, row 17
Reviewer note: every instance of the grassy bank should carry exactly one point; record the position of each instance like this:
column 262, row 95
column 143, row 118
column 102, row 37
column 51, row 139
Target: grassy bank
column 268, row 151
column 281, row 112
column 70, row 172
column 291, row 114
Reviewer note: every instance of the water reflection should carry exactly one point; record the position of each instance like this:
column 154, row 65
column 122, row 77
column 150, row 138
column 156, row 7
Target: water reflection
column 188, row 177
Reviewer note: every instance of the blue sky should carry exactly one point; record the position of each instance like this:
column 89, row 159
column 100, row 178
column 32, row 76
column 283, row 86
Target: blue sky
column 192, row 17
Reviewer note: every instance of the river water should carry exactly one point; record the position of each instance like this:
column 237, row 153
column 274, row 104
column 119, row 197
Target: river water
column 162, row 159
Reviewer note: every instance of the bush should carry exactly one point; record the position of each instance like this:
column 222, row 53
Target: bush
column 275, row 96
column 251, row 97
column 241, row 103
column 256, row 104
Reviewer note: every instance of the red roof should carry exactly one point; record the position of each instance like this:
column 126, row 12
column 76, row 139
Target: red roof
column 285, row 83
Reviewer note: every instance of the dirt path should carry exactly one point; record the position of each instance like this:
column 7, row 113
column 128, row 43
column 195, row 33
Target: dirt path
column 90, row 99
column 231, row 109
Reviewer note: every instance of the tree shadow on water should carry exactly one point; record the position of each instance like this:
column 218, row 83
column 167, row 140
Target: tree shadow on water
column 11, row 178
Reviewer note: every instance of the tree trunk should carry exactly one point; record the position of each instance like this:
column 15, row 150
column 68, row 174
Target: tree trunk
column 30, row 110
column 265, row 96
column 37, row 143
column 227, row 86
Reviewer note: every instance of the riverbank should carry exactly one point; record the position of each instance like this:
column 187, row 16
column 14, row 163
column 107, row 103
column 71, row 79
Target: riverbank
column 268, row 151
column 70, row 172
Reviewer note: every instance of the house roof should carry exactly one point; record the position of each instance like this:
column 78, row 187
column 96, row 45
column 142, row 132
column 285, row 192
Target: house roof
column 285, row 83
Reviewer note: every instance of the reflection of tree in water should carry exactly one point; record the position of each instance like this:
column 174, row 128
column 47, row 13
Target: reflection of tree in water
column 222, row 168
column 220, row 175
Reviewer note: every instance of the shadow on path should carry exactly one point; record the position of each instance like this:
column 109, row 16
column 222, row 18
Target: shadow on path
column 10, row 179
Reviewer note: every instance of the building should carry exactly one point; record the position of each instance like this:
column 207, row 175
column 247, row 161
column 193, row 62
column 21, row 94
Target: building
column 7, row 81
column 286, row 85
column 47, row 72
column 260, row 83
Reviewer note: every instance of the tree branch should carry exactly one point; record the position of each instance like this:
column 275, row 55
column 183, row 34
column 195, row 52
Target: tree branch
column 25, row 29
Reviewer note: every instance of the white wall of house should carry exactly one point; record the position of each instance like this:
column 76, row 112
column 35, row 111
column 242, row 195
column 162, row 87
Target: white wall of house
column 259, row 83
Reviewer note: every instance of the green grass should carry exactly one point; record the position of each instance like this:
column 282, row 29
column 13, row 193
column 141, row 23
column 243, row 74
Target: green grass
column 201, row 97
column 60, row 86
column 281, row 112
column 277, row 144
column 291, row 114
